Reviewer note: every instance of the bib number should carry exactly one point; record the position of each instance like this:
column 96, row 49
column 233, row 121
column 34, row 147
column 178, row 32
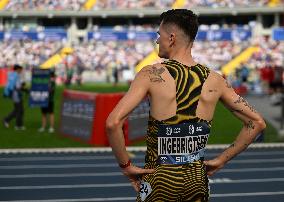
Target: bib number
column 145, row 190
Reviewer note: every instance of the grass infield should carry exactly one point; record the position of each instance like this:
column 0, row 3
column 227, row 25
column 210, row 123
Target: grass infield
column 224, row 129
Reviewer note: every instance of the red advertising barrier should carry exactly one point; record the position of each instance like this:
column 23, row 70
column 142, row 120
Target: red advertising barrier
column 104, row 105
column 83, row 117
column 3, row 76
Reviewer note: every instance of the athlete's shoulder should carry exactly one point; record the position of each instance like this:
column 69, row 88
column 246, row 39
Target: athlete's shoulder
column 216, row 74
column 146, row 71
column 217, row 78
column 204, row 67
column 153, row 72
column 156, row 68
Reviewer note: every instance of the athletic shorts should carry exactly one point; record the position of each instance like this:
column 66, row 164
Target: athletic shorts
column 175, row 183
column 48, row 109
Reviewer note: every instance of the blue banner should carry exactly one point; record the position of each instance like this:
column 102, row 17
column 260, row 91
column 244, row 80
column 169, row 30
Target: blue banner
column 18, row 35
column 54, row 35
column 39, row 93
column 210, row 35
column 112, row 35
column 107, row 35
column 278, row 34
column 1, row 35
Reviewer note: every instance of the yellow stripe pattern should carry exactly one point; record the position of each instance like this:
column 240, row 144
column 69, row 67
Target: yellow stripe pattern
column 56, row 58
column 178, row 4
column 187, row 182
column 231, row 66
column 89, row 4
column 3, row 4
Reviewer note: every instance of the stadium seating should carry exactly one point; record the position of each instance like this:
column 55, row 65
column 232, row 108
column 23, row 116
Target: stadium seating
column 75, row 5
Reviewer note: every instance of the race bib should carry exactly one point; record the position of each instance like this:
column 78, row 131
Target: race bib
column 145, row 190
column 182, row 143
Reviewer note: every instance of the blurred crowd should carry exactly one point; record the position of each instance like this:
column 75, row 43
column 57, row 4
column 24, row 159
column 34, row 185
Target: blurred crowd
column 263, row 72
column 98, row 55
column 225, row 3
column 17, row 5
column 215, row 54
column 26, row 52
column 123, row 4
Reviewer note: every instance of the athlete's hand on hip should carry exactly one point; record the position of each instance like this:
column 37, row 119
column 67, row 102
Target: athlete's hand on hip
column 134, row 174
column 212, row 166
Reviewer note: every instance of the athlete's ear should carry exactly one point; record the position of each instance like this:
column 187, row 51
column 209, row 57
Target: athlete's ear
column 172, row 39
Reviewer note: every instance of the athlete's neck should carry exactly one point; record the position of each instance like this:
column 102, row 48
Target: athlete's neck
column 183, row 56
column 188, row 61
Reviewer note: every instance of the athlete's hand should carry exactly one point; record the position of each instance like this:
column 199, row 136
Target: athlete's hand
column 212, row 166
column 134, row 175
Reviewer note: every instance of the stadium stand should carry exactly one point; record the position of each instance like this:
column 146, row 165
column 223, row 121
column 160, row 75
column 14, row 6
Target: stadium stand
column 19, row 5
column 75, row 5
column 80, row 37
column 26, row 52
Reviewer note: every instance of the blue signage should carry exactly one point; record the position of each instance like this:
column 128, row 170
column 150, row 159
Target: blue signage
column 39, row 93
column 224, row 35
column 18, row 35
column 278, row 34
column 107, row 35
column 47, row 34
column 210, row 35
column 1, row 35
column 52, row 35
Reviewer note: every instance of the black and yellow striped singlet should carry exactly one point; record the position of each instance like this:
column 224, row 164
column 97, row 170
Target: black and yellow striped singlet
column 186, row 182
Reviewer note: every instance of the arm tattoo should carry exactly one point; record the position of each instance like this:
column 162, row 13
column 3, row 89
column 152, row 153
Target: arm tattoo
column 231, row 146
column 250, row 126
column 213, row 91
column 242, row 100
column 236, row 110
column 155, row 74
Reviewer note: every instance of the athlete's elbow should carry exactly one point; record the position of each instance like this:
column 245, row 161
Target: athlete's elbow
column 111, row 125
column 261, row 124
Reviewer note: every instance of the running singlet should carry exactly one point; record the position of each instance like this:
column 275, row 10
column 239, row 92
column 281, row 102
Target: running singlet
column 175, row 146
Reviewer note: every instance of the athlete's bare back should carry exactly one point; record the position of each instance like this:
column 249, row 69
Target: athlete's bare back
column 175, row 43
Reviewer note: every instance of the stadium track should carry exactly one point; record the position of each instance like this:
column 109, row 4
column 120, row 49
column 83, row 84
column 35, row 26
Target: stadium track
column 66, row 175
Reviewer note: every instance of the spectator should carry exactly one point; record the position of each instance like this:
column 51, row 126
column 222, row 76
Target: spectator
column 244, row 72
column 17, row 5
column 49, row 110
column 17, row 98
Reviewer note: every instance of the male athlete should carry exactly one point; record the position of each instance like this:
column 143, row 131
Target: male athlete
column 183, row 95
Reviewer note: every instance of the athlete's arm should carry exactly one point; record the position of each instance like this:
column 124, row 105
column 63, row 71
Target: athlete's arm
column 253, row 123
column 136, row 93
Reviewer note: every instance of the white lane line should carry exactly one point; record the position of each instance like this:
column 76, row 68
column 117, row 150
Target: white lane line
column 60, row 158
column 236, row 170
column 251, row 153
column 80, row 200
column 248, row 194
column 112, row 174
column 134, row 198
column 230, row 181
column 108, row 174
column 99, row 165
column 67, row 186
column 88, row 165
column 107, row 157
column 131, row 149
column 246, row 161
